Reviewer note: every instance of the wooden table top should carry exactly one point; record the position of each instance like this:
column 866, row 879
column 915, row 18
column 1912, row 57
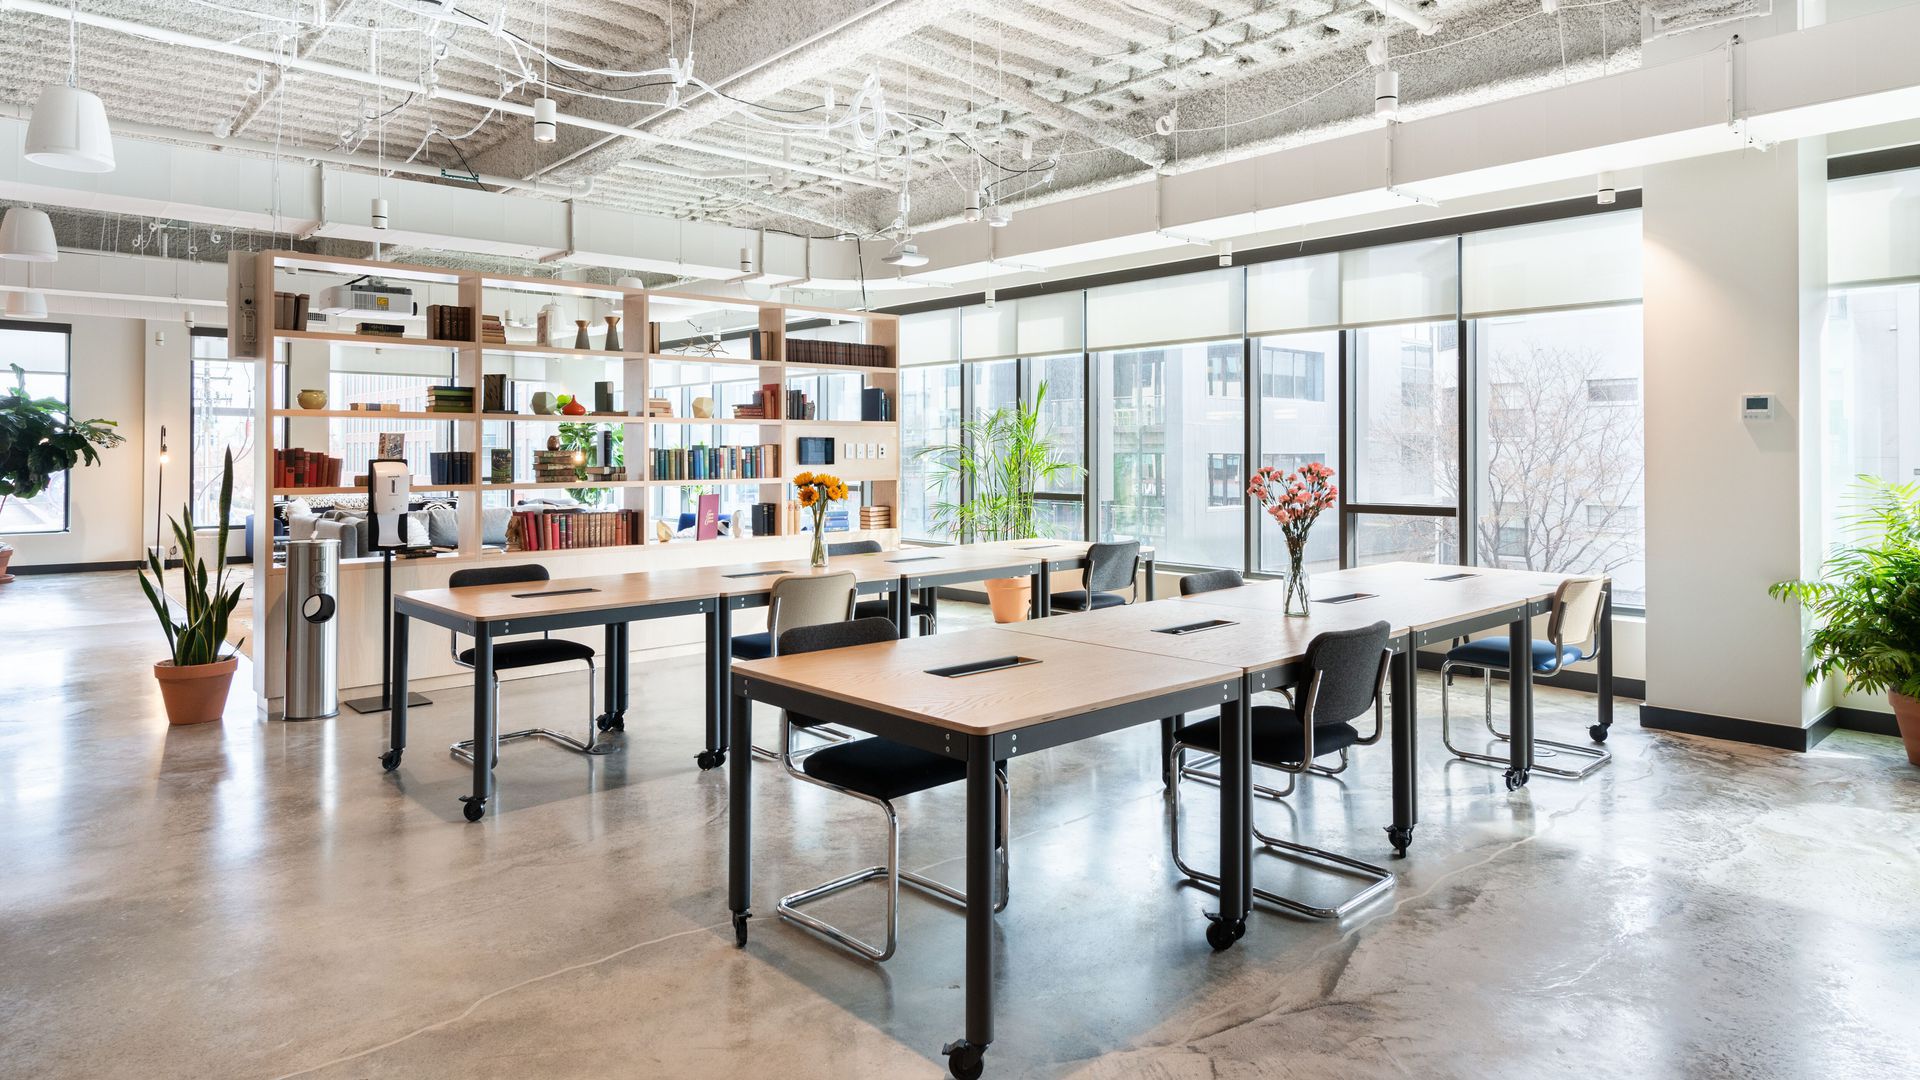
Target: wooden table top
column 972, row 558
column 1047, row 548
column 1070, row 679
column 520, row 600
column 1259, row 636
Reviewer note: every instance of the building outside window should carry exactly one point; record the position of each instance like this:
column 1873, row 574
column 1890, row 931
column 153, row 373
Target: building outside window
column 929, row 410
column 1224, row 369
column 1613, row 391
column 42, row 351
column 222, row 403
column 1224, row 485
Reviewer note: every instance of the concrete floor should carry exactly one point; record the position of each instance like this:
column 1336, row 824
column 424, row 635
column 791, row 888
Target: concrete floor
column 255, row 899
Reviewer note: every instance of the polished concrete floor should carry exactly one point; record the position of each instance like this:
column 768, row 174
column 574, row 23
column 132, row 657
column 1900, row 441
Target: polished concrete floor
column 258, row 899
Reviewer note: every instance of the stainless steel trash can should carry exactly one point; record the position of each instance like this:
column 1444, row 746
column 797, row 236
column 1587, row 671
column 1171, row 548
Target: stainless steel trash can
column 313, row 629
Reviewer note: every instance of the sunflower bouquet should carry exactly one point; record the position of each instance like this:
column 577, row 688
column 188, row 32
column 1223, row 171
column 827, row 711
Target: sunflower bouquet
column 816, row 491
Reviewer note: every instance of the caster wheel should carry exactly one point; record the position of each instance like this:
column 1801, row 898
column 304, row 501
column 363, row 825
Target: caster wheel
column 710, row 759
column 619, row 721
column 1513, row 780
column 390, row 760
column 1598, row 732
column 604, row 722
column 965, row 1060
column 740, row 928
column 1401, row 838
column 475, row 809
column 1221, row 934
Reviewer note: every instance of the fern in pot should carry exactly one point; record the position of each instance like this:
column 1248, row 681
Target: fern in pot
column 194, row 681
column 1866, row 603
column 1002, row 459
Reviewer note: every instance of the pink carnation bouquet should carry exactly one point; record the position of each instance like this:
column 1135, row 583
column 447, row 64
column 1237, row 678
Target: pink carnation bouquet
column 1293, row 500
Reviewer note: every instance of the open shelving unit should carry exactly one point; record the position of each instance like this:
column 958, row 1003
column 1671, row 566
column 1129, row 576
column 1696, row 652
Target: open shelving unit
column 632, row 370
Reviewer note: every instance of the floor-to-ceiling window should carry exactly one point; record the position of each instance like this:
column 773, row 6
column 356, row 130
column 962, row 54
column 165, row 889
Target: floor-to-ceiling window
column 222, row 401
column 41, row 351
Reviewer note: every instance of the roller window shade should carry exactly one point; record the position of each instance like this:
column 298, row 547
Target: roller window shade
column 1410, row 282
column 1293, row 294
column 929, row 337
column 989, row 333
column 1191, row 307
column 1578, row 262
column 1873, row 229
column 1029, row 326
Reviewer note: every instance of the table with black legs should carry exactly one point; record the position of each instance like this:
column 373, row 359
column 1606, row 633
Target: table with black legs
column 1060, row 692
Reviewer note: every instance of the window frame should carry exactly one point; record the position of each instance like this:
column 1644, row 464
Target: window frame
column 65, row 330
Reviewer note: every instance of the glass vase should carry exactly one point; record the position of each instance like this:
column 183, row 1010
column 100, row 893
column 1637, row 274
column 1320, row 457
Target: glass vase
column 1298, row 596
column 819, row 544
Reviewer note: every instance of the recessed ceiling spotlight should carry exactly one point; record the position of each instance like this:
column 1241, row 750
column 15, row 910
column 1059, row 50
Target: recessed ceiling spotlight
column 1225, row 250
column 989, row 298
column 1604, row 192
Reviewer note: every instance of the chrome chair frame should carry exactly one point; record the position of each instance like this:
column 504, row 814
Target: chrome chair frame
column 1597, row 756
column 1380, row 879
column 889, row 871
column 829, row 734
column 464, row 749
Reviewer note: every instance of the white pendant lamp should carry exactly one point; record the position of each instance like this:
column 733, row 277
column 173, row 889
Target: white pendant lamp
column 26, row 305
column 69, row 131
column 26, row 235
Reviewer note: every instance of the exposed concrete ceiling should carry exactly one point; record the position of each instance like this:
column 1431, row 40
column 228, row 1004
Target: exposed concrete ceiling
column 1039, row 98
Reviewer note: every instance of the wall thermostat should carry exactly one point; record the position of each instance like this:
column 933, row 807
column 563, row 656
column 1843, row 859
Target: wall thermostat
column 1756, row 406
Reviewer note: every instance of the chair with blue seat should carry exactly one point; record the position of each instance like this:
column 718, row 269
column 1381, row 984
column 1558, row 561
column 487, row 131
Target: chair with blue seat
column 522, row 653
column 926, row 611
column 878, row 771
column 1110, row 568
column 1346, row 676
column 1577, row 607
column 795, row 601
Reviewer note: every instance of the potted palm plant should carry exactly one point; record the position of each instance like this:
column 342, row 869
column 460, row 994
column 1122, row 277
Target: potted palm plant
column 194, row 681
column 985, row 484
column 1866, row 604
column 39, row 440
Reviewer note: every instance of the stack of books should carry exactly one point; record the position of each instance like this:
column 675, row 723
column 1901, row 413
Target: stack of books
column 560, row 530
column 839, row 353
column 659, row 406
column 450, row 467
column 450, row 399
column 876, row 517
column 555, row 466
column 717, row 463
column 449, row 322
column 876, row 404
column 764, row 345
column 799, row 406
column 289, row 311
column 380, row 329
column 605, row 474
column 492, row 330
column 764, row 405
column 374, row 406
column 297, row 468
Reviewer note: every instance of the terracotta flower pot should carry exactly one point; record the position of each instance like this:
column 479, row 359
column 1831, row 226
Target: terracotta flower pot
column 1906, row 712
column 1009, row 597
column 6, row 556
column 196, row 694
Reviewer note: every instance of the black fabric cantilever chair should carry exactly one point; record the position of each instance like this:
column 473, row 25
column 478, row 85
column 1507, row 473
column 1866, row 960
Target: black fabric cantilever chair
column 878, row 771
column 1210, row 581
column 798, row 600
column 525, row 652
column 1347, row 675
column 1110, row 568
column 927, row 612
column 1207, row 581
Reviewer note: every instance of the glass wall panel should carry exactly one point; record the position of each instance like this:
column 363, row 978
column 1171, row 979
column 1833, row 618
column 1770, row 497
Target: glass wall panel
column 1379, row 538
column 1560, row 437
column 1167, row 414
column 42, row 355
column 1870, row 376
column 1299, row 422
column 929, row 416
column 1406, row 415
column 221, row 398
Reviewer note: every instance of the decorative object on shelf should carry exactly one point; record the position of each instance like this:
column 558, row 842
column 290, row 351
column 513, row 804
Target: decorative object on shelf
column 500, row 465
column 603, row 397
column 703, row 407
column 662, row 532
column 817, row 490
column 553, row 442
column 613, row 333
column 39, row 440
column 1001, row 460
column 496, row 394
column 313, row 399
column 707, row 518
column 1293, row 500
column 1866, row 606
column 543, row 403
column 580, row 339
column 393, row 444
column 195, row 679
column 570, row 406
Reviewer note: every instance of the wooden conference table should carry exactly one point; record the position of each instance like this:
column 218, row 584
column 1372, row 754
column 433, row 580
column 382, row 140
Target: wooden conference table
column 487, row 612
column 1097, row 672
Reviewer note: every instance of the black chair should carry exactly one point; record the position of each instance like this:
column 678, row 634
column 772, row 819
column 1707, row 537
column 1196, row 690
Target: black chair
column 798, row 600
column 1347, row 675
column 1110, row 568
column 521, row 653
column 927, row 612
column 1210, row 581
column 878, row 771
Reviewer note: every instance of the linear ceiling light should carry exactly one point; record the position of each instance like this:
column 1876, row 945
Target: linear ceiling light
column 27, row 235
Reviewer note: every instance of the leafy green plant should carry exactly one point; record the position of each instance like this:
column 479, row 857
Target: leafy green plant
column 585, row 439
column 40, row 439
column 1001, row 460
column 208, row 602
column 1866, row 605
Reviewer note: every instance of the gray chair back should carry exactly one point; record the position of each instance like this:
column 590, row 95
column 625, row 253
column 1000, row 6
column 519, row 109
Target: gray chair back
column 855, row 547
column 1348, row 670
column 1112, row 566
column 837, row 635
column 808, row 600
column 1576, row 610
column 1210, row 581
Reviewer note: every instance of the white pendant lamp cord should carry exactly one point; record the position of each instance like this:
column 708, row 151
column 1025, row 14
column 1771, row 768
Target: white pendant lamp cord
column 73, row 42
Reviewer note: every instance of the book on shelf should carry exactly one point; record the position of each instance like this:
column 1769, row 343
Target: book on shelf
column 876, row 517
column 496, row 394
column 799, row 406
column 555, row 467
column 450, row 399
column 660, row 408
column 380, row 329
column 764, row 345
column 836, row 353
column 290, row 311
column 294, row 467
column 492, row 330
column 562, row 530
column 500, row 465
column 392, row 444
column 876, row 404
column 763, row 518
column 373, row 406
column 716, row 463
column 769, row 398
column 650, row 341
column 838, row 521
column 449, row 322
column 450, row 467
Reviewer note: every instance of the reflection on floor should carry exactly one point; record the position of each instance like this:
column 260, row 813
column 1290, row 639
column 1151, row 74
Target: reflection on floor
column 257, row 899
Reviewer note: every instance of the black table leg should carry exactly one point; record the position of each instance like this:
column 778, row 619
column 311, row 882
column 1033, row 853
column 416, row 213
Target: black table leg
column 626, row 672
column 1148, row 562
column 740, row 820
column 484, row 723
column 397, row 716
column 964, row 1056
column 900, row 607
column 612, row 660
column 1406, row 811
column 1236, row 839
column 1599, row 730
column 1041, row 603
column 719, row 672
column 930, row 598
column 1519, row 701
column 1169, row 728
